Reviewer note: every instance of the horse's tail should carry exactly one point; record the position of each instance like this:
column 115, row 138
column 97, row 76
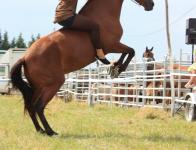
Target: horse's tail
column 19, row 83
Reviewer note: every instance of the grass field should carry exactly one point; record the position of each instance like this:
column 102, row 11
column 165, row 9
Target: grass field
column 99, row 128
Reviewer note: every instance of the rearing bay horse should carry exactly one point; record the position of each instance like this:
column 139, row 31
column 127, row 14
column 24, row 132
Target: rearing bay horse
column 64, row 51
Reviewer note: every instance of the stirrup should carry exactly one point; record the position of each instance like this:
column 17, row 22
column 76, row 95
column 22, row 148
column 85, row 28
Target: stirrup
column 104, row 61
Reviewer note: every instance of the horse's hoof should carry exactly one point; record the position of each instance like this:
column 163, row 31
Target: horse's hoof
column 41, row 131
column 55, row 133
column 109, row 69
column 115, row 71
column 51, row 133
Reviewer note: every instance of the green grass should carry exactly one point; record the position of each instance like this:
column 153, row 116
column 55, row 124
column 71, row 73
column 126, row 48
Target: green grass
column 99, row 128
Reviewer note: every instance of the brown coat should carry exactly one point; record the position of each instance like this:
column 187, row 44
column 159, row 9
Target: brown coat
column 65, row 9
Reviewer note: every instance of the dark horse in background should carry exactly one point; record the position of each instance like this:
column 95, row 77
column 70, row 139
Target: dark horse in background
column 148, row 56
column 65, row 51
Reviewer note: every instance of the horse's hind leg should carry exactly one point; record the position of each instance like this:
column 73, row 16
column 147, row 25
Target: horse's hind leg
column 47, row 95
column 30, row 108
column 32, row 114
column 40, row 112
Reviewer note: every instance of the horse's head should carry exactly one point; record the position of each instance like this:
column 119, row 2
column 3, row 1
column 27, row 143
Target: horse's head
column 147, row 4
column 148, row 55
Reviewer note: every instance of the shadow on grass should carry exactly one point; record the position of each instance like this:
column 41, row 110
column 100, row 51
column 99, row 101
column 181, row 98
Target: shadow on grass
column 91, row 136
column 171, row 139
column 152, row 138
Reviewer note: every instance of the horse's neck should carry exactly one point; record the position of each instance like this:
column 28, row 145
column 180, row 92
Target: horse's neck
column 107, row 8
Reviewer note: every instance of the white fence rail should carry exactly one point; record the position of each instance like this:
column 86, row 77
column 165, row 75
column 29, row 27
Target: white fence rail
column 4, row 79
column 135, row 87
column 131, row 88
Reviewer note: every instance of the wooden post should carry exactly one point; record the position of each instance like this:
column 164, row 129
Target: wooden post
column 170, row 58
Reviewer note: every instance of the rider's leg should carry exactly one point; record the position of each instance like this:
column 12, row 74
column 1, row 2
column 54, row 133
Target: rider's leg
column 85, row 24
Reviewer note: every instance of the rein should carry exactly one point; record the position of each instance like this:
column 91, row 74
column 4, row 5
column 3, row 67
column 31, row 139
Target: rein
column 136, row 2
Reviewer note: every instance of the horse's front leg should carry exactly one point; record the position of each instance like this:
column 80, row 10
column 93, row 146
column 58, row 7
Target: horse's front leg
column 121, row 60
column 121, row 65
column 115, row 69
column 127, row 61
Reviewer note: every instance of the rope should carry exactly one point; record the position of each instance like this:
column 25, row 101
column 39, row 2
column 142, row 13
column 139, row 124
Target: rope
column 134, row 1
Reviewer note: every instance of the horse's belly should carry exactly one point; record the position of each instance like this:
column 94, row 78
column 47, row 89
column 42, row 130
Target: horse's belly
column 76, row 50
column 68, row 51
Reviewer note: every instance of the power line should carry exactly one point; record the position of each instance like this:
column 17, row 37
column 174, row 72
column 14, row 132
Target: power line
column 183, row 15
column 163, row 28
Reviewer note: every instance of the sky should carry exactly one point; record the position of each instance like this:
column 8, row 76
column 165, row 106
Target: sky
column 141, row 28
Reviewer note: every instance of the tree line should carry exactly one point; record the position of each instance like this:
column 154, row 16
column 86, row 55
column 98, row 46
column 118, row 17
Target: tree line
column 16, row 42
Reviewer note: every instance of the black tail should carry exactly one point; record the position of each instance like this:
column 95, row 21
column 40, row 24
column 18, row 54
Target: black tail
column 18, row 82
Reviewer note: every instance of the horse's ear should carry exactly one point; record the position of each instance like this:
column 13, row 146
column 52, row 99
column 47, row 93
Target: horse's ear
column 146, row 48
column 152, row 49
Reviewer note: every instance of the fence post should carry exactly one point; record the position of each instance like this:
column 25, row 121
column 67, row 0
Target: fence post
column 154, row 83
column 90, row 99
column 179, row 76
column 144, row 82
column 172, row 80
column 164, row 81
column 135, row 82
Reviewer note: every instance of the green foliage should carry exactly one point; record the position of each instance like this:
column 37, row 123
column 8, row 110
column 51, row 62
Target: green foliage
column 38, row 36
column 5, row 42
column 1, row 40
column 20, row 43
column 13, row 43
column 33, row 39
column 102, row 127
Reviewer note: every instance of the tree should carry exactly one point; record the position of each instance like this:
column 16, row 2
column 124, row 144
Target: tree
column 1, row 40
column 38, row 36
column 13, row 43
column 32, row 40
column 5, row 41
column 20, row 42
